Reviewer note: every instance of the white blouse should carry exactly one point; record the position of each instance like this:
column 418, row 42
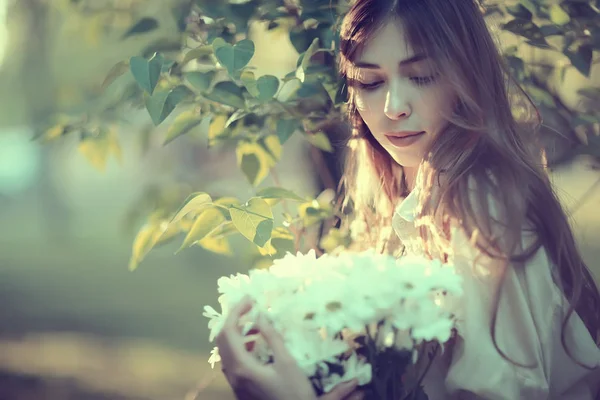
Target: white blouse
column 528, row 329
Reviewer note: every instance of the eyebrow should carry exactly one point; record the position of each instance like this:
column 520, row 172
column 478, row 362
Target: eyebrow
column 411, row 60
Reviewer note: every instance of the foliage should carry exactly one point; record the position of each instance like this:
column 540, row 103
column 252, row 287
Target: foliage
column 211, row 84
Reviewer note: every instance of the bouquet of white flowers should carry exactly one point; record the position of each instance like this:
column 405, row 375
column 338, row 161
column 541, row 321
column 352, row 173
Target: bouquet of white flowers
column 350, row 316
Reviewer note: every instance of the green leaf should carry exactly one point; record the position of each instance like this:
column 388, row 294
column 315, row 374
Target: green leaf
column 198, row 52
column 227, row 93
column 267, row 86
column 146, row 72
column 250, row 165
column 195, row 202
column 283, row 242
column 286, row 128
column 142, row 26
column 591, row 93
column 180, row 13
column 320, row 140
column 249, row 81
column 235, row 57
column 312, row 49
column 278, row 193
column 551, row 30
column 289, row 89
column 581, row 58
column 558, row 15
column 519, row 11
column 302, row 38
column 583, row 119
column 531, row 5
column 528, row 30
column 206, row 223
column 541, row 96
column 517, row 67
column 184, row 122
column 254, row 220
column 310, row 89
column 579, row 10
column 255, row 159
column 116, row 71
column 162, row 103
column 237, row 115
column 200, row 80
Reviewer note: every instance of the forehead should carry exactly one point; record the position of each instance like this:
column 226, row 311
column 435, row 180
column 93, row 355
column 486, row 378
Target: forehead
column 388, row 45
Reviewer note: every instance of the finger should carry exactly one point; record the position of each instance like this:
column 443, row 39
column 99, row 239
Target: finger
column 356, row 395
column 273, row 339
column 341, row 391
column 241, row 308
column 230, row 341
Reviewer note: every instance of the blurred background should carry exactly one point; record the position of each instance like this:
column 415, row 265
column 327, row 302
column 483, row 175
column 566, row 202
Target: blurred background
column 75, row 323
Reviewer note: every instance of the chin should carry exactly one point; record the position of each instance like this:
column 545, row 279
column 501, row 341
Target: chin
column 406, row 160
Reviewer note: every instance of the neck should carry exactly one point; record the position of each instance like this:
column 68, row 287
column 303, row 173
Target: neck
column 410, row 176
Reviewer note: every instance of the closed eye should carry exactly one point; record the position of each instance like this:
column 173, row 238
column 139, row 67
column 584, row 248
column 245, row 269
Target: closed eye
column 422, row 80
column 369, row 86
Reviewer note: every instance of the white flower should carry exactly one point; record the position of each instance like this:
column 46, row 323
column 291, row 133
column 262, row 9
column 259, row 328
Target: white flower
column 216, row 321
column 354, row 368
column 214, row 357
column 309, row 349
column 310, row 301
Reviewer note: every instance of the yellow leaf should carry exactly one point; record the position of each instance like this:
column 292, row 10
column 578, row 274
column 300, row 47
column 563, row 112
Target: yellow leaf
column 267, row 249
column 217, row 127
column 558, row 15
column 219, row 245
column 148, row 237
column 196, row 202
column 114, row 145
column 206, row 223
column 184, row 122
column 273, row 147
column 94, row 30
column 272, row 202
column 116, row 71
column 227, row 201
column 254, row 161
column 262, row 263
column 54, row 132
column 96, row 150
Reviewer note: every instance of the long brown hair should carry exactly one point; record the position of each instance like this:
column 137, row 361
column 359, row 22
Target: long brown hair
column 489, row 142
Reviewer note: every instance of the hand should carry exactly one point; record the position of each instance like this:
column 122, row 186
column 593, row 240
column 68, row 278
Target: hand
column 251, row 380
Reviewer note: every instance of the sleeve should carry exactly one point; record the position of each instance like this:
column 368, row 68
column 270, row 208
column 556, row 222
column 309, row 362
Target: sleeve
column 524, row 326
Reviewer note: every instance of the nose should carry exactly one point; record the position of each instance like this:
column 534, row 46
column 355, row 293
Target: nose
column 397, row 105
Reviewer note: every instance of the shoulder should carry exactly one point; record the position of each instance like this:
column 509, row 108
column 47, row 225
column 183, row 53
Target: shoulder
column 494, row 211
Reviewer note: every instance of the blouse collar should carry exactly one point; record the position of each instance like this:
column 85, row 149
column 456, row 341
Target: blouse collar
column 407, row 207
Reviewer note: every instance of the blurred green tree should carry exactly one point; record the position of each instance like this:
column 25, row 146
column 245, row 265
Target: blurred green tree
column 211, row 87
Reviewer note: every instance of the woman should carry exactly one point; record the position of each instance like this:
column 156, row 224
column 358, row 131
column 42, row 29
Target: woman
column 437, row 150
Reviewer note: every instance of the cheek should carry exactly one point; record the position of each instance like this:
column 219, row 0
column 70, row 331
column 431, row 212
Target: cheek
column 369, row 107
column 364, row 108
column 437, row 106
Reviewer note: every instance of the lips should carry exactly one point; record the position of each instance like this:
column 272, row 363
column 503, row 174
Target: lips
column 404, row 139
column 403, row 134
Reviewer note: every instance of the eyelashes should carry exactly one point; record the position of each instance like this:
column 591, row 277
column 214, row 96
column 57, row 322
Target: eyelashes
column 417, row 80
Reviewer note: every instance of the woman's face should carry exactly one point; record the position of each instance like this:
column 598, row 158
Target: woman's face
column 400, row 96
